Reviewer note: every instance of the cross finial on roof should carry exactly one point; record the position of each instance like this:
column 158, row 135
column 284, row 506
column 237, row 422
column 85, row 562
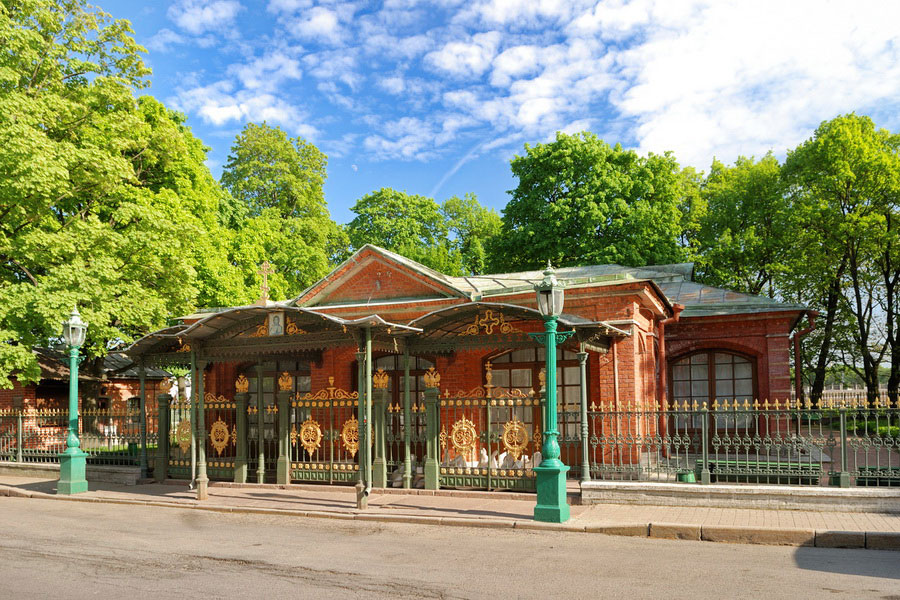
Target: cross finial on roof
column 265, row 270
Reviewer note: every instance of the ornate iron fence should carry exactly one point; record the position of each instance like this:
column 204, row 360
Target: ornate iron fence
column 837, row 442
column 109, row 436
column 489, row 438
column 325, row 435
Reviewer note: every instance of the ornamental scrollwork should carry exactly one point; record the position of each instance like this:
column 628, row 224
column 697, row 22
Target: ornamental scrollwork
column 219, row 436
column 488, row 322
column 331, row 393
column 515, row 437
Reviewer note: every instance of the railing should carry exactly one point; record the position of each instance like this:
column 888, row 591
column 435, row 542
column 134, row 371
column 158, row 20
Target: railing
column 109, row 436
column 837, row 442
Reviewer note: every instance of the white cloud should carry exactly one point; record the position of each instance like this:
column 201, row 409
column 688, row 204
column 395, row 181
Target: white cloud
column 319, row 24
column 164, row 39
column 466, row 58
column 738, row 78
column 513, row 63
column 519, row 13
column 199, row 16
column 394, row 84
column 267, row 72
column 287, row 6
column 220, row 104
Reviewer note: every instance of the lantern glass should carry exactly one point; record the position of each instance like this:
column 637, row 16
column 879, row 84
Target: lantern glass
column 549, row 294
column 74, row 329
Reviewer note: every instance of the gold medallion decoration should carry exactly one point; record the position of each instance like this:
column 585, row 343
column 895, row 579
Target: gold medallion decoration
column 285, row 382
column 183, row 435
column 219, row 436
column 432, row 378
column 380, row 379
column 489, row 322
column 242, row 384
column 310, row 435
column 463, row 436
column 514, row 437
column 350, row 436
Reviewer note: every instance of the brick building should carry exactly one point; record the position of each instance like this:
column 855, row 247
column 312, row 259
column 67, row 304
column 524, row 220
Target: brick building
column 281, row 379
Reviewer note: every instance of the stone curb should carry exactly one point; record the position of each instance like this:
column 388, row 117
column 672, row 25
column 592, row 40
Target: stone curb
column 671, row 531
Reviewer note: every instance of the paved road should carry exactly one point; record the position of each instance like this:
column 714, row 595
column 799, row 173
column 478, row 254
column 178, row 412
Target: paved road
column 81, row 550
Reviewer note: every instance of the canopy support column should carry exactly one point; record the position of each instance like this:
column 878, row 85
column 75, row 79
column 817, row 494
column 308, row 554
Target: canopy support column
column 202, row 479
column 407, row 426
column 585, row 442
column 260, row 426
column 142, row 377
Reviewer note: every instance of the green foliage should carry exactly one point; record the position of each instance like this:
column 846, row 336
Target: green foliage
column 449, row 238
column 277, row 211
column 580, row 201
column 104, row 200
column 267, row 169
column 743, row 228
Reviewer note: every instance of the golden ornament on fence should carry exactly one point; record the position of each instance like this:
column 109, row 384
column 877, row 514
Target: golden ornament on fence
column 432, row 378
column 350, row 436
column 219, row 436
column 463, row 436
column 242, row 384
column 183, row 435
column 310, row 435
column 285, row 382
column 380, row 379
column 514, row 437
column 538, row 440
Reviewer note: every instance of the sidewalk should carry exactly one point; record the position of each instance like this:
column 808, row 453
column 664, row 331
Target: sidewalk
column 500, row 510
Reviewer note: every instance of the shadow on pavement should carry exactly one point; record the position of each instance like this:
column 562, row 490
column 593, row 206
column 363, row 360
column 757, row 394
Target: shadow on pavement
column 868, row 563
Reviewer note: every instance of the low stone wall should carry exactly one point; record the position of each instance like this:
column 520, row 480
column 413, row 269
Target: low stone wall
column 103, row 474
column 878, row 500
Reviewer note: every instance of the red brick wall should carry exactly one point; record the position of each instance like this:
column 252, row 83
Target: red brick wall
column 764, row 338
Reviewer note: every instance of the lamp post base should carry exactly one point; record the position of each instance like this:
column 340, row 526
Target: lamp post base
column 552, row 505
column 72, row 467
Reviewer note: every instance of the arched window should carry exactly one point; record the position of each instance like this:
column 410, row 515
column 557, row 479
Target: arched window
column 711, row 375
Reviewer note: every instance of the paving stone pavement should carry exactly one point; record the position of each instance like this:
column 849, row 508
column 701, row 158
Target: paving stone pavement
column 498, row 509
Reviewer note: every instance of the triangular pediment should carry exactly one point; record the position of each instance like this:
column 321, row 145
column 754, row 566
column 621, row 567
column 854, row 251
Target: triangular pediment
column 373, row 274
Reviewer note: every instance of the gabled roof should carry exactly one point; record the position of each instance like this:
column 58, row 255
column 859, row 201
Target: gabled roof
column 418, row 280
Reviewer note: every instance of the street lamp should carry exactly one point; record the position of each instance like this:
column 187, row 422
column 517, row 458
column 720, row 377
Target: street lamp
column 73, row 462
column 552, row 506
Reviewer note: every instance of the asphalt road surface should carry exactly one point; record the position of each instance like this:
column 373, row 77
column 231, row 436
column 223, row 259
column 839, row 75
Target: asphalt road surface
column 86, row 550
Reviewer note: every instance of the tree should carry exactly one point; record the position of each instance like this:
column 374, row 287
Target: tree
column 267, row 169
column 845, row 182
column 743, row 233
column 276, row 210
column 580, row 201
column 410, row 225
column 473, row 227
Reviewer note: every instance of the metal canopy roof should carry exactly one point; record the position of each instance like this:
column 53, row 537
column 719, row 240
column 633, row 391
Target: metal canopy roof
column 453, row 320
column 220, row 324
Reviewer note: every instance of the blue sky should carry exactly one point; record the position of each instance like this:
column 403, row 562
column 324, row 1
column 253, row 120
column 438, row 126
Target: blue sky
column 435, row 97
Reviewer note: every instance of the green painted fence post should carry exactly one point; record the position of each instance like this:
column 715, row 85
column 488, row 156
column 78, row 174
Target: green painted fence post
column 283, row 464
column 704, row 445
column 19, row 437
column 432, row 427
column 379, row 464
column 241, row 402
column 160, row 471
column 843, row 478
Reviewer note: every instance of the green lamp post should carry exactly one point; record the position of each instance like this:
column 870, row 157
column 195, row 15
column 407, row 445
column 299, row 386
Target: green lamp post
column 73, row 462
column 551, row 473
